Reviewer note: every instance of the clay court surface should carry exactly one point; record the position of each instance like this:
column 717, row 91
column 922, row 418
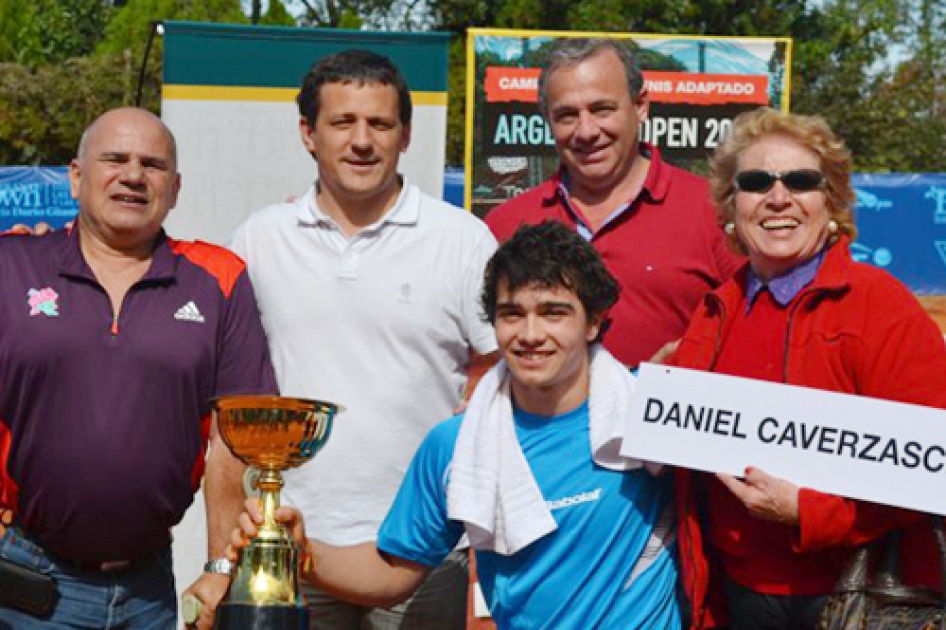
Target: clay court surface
column 936, row 307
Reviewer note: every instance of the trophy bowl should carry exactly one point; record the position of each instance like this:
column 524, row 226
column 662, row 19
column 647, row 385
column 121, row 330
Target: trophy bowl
column 271, row 433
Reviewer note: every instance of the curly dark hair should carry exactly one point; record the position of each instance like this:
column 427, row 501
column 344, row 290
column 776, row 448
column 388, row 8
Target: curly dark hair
column 551, row 255
column 361, row 67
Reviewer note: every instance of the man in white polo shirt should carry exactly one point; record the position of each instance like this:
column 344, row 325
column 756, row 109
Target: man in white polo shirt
column 369, row 292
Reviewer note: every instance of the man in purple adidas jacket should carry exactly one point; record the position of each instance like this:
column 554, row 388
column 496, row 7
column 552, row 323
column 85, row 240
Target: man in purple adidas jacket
column 113, row 337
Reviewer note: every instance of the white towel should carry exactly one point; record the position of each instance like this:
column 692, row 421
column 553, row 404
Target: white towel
column 491, row 488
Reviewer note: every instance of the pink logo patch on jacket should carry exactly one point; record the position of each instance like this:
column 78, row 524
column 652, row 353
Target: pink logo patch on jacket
column 43, row 301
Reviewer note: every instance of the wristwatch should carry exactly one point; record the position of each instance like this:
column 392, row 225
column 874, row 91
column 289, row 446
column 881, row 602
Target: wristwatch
column 219, row 565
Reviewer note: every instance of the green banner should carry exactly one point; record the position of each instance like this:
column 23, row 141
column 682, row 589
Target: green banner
column 198, row 53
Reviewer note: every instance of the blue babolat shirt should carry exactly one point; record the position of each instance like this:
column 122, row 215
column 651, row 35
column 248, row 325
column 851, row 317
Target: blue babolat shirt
column 585, row 574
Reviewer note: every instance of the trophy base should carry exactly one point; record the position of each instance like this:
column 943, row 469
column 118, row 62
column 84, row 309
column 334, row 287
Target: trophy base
column 248, row 617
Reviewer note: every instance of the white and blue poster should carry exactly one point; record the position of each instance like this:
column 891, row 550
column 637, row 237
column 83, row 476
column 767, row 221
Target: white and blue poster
column 33, row 194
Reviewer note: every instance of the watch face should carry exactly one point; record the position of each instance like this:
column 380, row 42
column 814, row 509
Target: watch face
column 219, row 565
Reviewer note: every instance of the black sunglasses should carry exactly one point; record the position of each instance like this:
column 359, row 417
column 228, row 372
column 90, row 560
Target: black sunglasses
column 802, row 180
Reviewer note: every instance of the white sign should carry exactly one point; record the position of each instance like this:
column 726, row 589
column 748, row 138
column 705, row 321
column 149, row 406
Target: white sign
column 853, row 446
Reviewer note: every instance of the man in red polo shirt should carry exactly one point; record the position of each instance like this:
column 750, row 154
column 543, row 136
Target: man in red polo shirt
column 652, row 223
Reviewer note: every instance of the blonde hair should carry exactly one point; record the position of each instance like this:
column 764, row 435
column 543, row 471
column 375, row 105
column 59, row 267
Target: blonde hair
column 810, row 132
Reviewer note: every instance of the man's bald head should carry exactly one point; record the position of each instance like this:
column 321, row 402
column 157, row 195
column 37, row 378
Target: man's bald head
column 124, row 113
column 125, row 179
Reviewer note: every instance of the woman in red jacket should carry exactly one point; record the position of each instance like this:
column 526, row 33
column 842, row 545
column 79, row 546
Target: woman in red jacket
column 801, row 312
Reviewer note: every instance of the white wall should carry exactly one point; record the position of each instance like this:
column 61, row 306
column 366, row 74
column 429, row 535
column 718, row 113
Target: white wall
column 190, row 546
column 236, row 157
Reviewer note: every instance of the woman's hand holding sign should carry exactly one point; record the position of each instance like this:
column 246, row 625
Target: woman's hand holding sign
column 765, row 496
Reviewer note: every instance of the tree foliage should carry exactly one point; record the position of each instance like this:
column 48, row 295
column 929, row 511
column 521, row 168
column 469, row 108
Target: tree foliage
column 385, row 15
column 874, row 70
column 277, row 15
column 64, row 62
column 132, row 24
column 15, row 33
column 44, row 110
column 335, row 13
column 35, row 32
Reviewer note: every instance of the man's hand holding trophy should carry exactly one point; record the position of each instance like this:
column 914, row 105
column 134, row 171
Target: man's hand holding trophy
column 270, row 434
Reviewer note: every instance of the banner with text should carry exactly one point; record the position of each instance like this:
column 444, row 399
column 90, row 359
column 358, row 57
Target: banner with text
column 34, row 194
column 853, row 446
column 697, row 85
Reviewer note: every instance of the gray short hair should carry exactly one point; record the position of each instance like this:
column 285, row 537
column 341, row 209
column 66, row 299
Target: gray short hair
column 569, row 51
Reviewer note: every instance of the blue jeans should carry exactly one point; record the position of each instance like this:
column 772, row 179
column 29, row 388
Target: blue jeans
column 141, row 597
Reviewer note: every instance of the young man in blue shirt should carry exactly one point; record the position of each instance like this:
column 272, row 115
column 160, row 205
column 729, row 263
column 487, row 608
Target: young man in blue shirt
column 567, row 535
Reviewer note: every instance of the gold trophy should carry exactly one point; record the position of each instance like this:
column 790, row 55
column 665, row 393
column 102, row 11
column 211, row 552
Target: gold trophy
column 272, row 433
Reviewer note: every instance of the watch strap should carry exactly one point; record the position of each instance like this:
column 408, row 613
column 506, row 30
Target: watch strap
column 219, row 565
